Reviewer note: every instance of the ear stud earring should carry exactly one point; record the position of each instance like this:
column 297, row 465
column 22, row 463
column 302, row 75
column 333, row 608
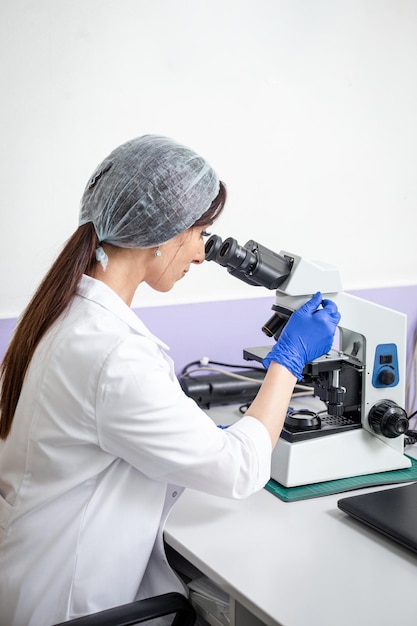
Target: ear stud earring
column 158, row 252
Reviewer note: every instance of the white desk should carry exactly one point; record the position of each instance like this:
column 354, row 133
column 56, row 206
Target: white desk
column 296, row 564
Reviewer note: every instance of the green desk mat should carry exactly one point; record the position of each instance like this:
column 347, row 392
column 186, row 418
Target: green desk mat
column 305, row 492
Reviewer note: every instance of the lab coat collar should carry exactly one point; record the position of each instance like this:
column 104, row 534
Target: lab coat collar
column 99, row 292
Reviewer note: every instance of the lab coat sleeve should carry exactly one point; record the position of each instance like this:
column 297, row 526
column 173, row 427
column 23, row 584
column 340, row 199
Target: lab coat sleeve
column 144, row 417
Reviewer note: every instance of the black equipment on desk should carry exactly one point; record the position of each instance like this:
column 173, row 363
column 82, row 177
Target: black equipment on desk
column 235, row 387
column 392, row 512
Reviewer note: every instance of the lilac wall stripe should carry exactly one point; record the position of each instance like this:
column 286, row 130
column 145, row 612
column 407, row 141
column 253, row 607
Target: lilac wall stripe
column 220, row 330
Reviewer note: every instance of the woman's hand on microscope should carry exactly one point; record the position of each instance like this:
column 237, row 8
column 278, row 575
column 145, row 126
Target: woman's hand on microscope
column 307, row 335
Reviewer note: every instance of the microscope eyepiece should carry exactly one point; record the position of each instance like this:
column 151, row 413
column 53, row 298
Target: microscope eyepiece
column 234, row 256
column 252, row 263
column 213, row 245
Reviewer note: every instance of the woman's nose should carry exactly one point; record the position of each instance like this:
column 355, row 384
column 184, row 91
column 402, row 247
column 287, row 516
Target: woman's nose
column 200, row 254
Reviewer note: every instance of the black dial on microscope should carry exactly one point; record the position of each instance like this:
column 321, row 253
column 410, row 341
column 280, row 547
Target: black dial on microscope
column 388, row 419
column 386, row 377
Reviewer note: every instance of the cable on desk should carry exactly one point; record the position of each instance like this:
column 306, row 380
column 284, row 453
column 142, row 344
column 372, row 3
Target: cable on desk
column 206, row 364
column 411, row 380
column 410, row 437
column 219, row 370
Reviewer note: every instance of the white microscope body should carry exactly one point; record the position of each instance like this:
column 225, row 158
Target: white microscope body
column 376, row 336
column 361, row 381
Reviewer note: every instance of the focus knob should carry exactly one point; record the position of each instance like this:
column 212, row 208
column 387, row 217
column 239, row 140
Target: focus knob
column 388, row 419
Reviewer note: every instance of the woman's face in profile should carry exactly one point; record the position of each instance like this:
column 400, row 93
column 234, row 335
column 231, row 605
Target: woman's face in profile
column 176, row 258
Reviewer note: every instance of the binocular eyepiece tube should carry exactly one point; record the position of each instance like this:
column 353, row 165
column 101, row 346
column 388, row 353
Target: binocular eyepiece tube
column 253, row 263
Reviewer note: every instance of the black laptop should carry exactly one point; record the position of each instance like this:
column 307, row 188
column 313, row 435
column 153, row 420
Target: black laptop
column 392, row 512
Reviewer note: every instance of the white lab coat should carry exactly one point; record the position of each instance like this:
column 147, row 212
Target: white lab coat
column 102, row 444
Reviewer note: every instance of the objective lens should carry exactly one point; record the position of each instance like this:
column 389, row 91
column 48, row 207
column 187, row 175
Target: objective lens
column 274, row 326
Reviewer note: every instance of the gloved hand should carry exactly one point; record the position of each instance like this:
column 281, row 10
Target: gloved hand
column 307, row 335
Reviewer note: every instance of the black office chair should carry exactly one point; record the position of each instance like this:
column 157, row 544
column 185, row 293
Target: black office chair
column 141, row 611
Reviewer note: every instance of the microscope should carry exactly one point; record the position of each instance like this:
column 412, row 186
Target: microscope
column 360, row 382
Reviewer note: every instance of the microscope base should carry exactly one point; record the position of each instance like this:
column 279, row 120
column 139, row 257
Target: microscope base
column 341, row 455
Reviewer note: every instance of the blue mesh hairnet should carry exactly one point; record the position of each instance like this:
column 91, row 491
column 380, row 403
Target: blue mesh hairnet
column 147, row 191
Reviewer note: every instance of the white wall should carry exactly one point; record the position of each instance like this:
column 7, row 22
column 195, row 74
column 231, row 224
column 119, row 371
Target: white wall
column 307, row 109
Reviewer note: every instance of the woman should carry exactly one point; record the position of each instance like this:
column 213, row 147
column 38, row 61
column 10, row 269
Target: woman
column 98, row 437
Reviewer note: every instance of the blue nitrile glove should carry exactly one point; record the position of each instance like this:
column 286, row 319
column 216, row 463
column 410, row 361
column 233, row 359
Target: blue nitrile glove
column 307, row 335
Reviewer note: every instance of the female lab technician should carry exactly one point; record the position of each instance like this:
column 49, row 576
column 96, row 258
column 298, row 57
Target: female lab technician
column 98, row 439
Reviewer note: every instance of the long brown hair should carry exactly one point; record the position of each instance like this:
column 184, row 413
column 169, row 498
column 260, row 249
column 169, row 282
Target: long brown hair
column 52, row 298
